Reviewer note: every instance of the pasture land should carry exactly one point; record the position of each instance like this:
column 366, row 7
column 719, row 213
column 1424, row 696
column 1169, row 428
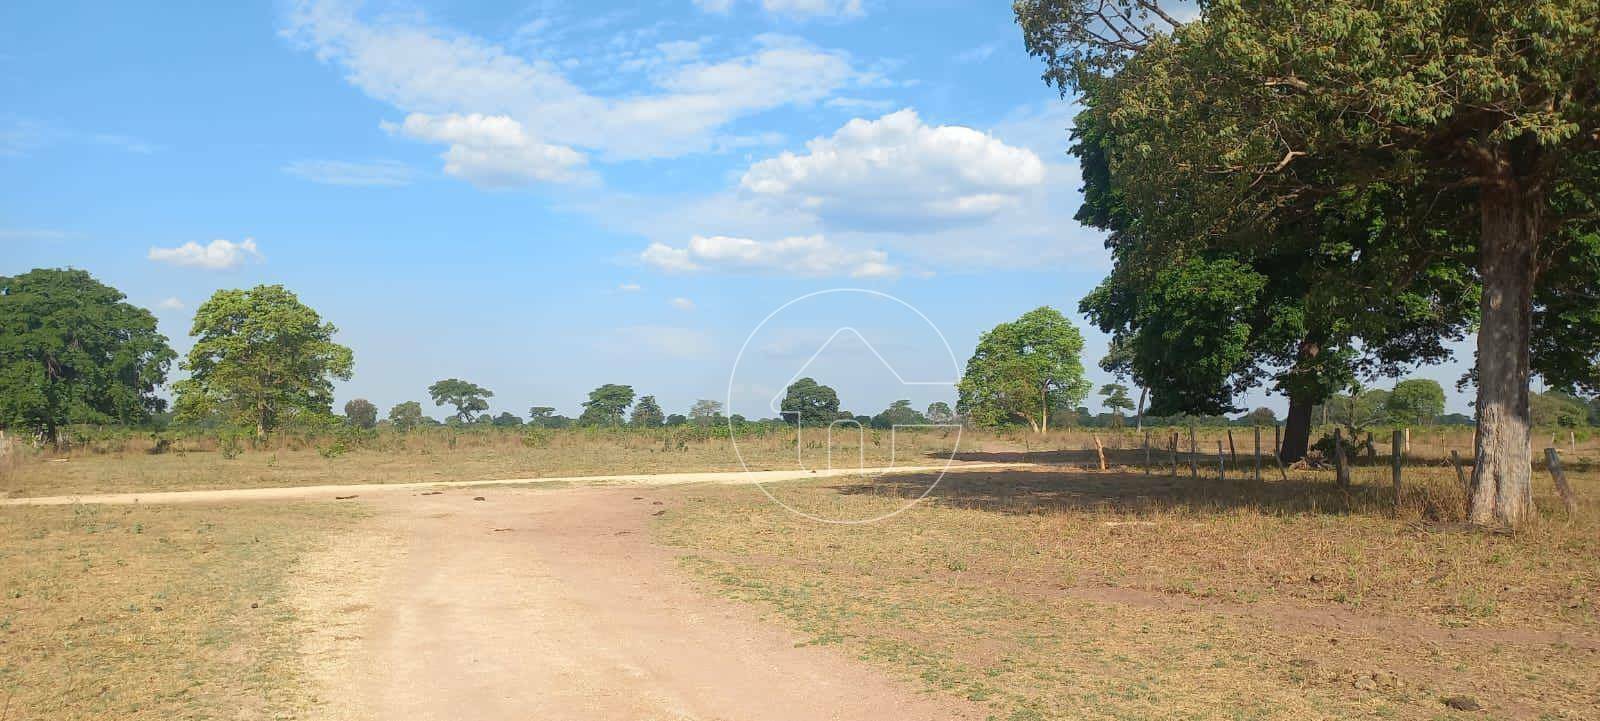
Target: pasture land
column 155, row 612
column 1088, row 595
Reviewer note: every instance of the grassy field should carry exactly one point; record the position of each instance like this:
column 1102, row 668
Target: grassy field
column 178, row 612
column 1053, row 594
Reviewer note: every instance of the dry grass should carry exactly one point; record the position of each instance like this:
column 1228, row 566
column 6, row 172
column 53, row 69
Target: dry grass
column 1085, row 595
column 153, row 612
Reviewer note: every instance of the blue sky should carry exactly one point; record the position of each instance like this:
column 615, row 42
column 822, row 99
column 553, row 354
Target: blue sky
column 544, row 197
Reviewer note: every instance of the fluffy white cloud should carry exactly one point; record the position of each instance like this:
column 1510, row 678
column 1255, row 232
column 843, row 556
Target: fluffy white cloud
column 682, row 303
column 384, row 173
column 493, row 150
column 219, row 254
column 420, row 68
column 171, row 304
column 810, row 255
column 896, row 173
column 630, row 287
column 795, row 8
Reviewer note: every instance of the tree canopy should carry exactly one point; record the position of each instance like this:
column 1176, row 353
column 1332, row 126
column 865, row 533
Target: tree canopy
column 1416, row 401
column 467, row 398
column 899, row 413
column 73, row 351
column 405, row 416
column 361, row 413
column 1024, row 368
column 607, row 405
column 809, row 403
column 260, row 356
column 647, row 413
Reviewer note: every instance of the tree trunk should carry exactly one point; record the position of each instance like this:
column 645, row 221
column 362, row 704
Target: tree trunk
column 1304, row 393
column 1140, row 418
column 1503, row 468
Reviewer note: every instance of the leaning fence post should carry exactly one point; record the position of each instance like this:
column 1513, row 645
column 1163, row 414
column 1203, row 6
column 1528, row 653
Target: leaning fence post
column 1258, row 454
column 1396, row 445
column 1553, row 461
column 1341, row 470
column 1174, row 473
column 1277, row 440
column 1232, row 455
column 1147, row 453
column 1222, row 463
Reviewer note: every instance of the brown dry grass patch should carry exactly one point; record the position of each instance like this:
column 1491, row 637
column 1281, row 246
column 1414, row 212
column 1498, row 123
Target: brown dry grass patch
column 152, row 612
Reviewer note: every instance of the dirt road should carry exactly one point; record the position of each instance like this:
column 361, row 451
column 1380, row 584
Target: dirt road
column 302, row 493
column 555, row 604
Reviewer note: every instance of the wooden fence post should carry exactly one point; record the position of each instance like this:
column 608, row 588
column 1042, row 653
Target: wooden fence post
column 1553, row 461
column 1396, row 445
column 1461, row 476
column 1194, row 450
column 1341, row 469
column 1099, row 450
column 1277, row 441
column 1233, row 456
column 1222, row 463
column 1174, row 472
column 1258, row 454
column 1147, row 453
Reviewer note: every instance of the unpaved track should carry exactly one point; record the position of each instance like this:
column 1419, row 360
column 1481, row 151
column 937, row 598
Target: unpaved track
column 555, row 604
column 303, row 493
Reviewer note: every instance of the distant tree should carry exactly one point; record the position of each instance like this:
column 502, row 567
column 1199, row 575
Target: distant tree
column 809, row 403
column 1554, row 409
column 467, row 398
column 677, row 419
column 899, row 413
column 506, row 420
column 260, row 355
column 647, row 414
column 71, row 350
column 705, row 411
column 541, row 416
column 1357, row 410
column 405, row 416
column 1416, row 401
column 1262, row 417
column 483, row 420
column 607, row 405
column 939, row 412
column 1117, row 401
column 361, row 413
column 1024, row 368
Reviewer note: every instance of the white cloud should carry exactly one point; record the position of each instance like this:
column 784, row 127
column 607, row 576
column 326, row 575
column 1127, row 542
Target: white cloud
column 859, row 104
column 630, row 287
column 793, row 8
column 421, row 68
column 976, row 54
column 219, row 254
column 682, row 303
column 380, row 173
column 493, row 150
column 171, row 304
column 896, row 173
column 810, row 255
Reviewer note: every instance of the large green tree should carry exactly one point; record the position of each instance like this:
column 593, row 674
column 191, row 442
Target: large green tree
column 260, row 356
column 73, row 351
column 405, row 416
column 1022, row 369
column 899, row 413
column 466, row 397
column 647, row 413
column 809, row 403
column 1247, row 121
column 1416, row 401
column 607, row 405
column 361, row 413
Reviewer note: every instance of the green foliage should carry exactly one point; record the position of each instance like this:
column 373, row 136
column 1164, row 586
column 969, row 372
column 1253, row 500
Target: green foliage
column 260, row 357
column 607, row 405
column 506, row 420
column 405, row 416
column 1558, row 410
column 939, row 412
column 1022, row 369
column 808, row 403
column 361, row 413
column 1261, row 417
column 1416, row 402
column 1358, row 410
column 705, row 411
column 647, row 413
column 468, row 398
column 72, row 351
column 899, row 413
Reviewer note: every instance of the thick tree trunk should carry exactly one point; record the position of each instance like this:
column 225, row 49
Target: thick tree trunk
column 1139, row 423
column 1503, row 468
column 1304, row 393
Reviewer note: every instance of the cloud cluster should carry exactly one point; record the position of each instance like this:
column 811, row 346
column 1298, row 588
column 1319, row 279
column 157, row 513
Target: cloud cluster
column 897, row 173
column 792, row 8
column 219, row 254
column 493, row 151
column 811, row 255
column 432, row 72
